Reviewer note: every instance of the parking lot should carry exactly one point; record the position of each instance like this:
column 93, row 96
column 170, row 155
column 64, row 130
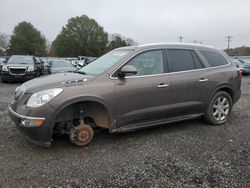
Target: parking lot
column 186, row 154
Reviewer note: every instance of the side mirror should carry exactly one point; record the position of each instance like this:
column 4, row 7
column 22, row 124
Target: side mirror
column 74, row 63
column 81, row 64
column 127, row 70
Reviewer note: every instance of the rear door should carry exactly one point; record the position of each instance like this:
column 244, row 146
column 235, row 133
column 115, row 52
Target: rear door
column 188, row 82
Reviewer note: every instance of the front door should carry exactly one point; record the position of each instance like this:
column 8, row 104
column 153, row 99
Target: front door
column 143, row 97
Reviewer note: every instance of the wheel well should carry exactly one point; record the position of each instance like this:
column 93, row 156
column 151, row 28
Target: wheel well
column 91, row 111
column 227, row 90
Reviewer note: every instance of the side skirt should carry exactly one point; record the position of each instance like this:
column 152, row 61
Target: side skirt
column 138, row 126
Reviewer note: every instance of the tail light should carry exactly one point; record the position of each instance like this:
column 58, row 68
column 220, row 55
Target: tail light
column 240, row 72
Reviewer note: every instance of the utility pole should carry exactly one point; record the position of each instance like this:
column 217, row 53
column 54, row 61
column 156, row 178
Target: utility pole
column 229, row 39
column 180, row 38
column 197, row 42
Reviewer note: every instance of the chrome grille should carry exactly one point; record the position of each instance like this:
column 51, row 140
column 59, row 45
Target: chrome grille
column 17, row 71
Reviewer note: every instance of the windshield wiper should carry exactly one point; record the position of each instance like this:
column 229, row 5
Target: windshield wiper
column 80, row 72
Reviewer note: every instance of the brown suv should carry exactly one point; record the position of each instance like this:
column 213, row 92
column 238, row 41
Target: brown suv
column 128, row 89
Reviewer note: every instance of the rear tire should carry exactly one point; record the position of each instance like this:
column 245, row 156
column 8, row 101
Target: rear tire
column 219, row 108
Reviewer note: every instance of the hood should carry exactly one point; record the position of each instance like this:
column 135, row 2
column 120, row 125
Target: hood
column 62, row 69
column 19, row 65
column 59, row 80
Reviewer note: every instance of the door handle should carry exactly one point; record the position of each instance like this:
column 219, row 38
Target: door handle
column 203, row 80
column 161, row 85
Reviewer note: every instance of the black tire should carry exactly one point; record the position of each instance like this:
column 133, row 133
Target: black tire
column 217, row 111
column 4, row 81
column 37, row 75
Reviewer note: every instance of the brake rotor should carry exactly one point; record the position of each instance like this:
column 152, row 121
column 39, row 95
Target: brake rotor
column 81, row 135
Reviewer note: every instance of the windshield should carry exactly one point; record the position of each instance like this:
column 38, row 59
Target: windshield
column 236, row 61
column 244, row 61
column 20, row 60
column 103, row 63
column 61, row 63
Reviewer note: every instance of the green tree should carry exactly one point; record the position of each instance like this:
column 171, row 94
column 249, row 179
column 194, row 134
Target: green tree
column 81, row 36
column 116, row 43
column 117, row 40
column 239, row 51
column 4, row 41
column 27, row 40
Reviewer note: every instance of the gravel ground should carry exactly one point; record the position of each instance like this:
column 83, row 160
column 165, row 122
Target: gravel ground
column 187, row 154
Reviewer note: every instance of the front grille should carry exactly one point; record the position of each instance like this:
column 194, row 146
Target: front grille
column 17, row 71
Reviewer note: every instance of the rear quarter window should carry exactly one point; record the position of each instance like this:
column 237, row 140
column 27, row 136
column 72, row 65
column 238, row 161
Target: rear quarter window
column 214, row 58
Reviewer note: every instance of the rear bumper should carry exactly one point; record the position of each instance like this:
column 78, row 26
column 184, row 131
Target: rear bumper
column 40, row 135
column 237, row 96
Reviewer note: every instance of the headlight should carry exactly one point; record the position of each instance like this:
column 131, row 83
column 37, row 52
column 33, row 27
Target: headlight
column 19, row 92
column 42, row 97
column 4, row 68
column 30, row 68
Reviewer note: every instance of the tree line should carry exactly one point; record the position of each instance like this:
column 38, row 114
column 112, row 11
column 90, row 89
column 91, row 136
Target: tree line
column 82, row 36
column 239, row 51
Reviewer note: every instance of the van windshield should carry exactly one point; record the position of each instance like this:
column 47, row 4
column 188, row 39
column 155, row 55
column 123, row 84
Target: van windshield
column 61, row 63
column 103, row 63
column 20, row 60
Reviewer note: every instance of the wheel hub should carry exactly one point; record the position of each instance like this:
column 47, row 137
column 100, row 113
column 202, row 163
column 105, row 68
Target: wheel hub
column 81, row 135
column 220, row 108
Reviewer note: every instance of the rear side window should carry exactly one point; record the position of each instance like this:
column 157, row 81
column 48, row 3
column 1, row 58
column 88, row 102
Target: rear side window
column 214, row 58
column 182, row 60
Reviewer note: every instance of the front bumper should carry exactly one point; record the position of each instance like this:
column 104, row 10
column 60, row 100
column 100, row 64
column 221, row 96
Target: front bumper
column 10, row 77
column 39, row 135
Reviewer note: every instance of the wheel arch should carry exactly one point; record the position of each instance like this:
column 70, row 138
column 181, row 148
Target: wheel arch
column 226, row 88
column 95, row 107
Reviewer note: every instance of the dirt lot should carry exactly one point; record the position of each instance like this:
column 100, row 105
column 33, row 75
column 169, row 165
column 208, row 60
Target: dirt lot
column 187, row 154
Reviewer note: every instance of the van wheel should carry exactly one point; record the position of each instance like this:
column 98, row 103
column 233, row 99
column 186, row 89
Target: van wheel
column 4, row 81
column 219, row 108
column 81, row 135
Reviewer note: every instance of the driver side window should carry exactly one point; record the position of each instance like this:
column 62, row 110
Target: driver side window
column 148, row 63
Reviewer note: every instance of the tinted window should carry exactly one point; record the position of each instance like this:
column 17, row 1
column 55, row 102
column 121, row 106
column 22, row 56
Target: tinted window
column 182, row 60
column 214, row 58
column 148, row 63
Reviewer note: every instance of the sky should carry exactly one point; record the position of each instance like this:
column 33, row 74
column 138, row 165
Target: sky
column 145, row 21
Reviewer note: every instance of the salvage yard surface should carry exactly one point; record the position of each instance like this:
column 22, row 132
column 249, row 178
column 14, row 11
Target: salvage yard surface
column 186, row 154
